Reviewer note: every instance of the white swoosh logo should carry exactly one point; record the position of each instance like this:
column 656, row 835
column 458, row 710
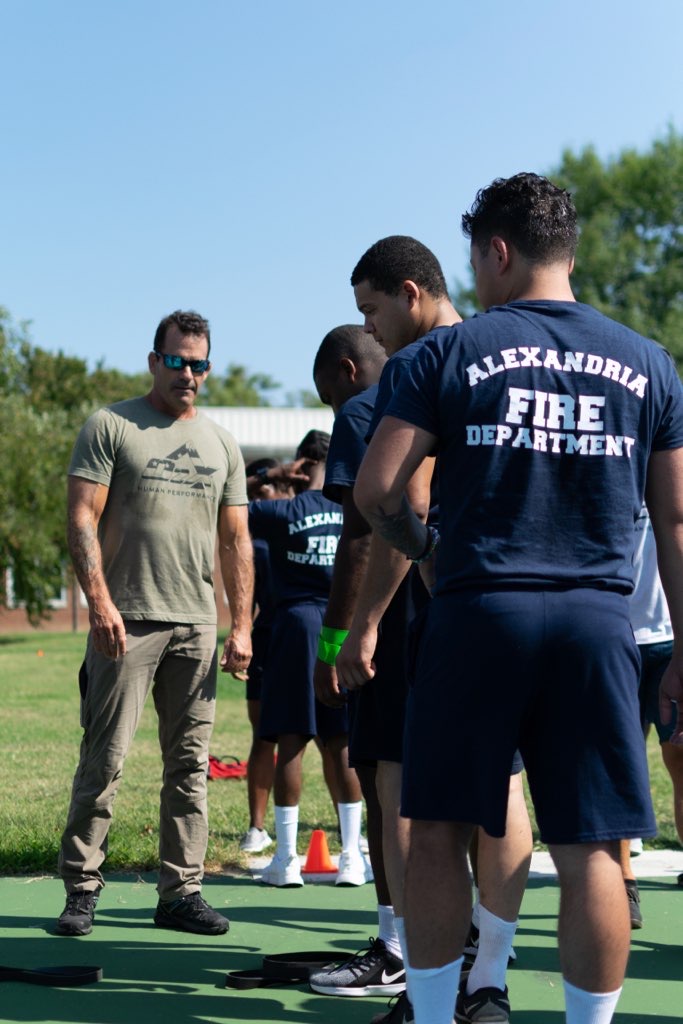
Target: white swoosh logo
column 388, row 978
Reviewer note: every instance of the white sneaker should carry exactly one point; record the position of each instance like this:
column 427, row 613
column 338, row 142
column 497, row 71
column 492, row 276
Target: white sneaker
column 369, row 873
column 352, row 870
column 284, row 874
column 636, row 847
column 255, row 840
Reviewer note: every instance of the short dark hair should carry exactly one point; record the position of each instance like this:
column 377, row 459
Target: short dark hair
column 187, row 322
column 398, row 258
column 539, row 218
column 347, row 342
column 314, row 446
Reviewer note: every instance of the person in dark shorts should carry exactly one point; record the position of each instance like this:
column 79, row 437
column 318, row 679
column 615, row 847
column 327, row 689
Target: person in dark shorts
column 401, row 291
column 261, row 760
column 549, row 419
column 302, row 534
column 653, row 633
column 346, row 369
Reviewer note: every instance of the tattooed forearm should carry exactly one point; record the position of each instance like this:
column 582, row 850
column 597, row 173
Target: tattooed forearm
column 403, row 529
column 84, row 548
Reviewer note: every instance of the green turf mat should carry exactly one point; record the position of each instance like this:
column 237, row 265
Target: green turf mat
column 153, row 976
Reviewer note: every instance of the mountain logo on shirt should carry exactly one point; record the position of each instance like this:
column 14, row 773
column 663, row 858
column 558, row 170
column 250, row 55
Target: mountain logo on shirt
column 181, row 468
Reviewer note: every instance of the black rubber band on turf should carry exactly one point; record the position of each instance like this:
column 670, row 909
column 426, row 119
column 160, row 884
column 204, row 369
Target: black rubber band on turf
column 64, row 976
column 251, row 979
column 298, row 966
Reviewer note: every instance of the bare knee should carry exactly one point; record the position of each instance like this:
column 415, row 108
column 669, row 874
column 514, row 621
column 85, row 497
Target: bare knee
column 577, row 862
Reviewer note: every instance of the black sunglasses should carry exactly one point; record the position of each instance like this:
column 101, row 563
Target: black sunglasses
column 178, row 363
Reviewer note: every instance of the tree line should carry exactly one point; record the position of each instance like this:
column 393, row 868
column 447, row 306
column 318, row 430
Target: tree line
column 629, row 265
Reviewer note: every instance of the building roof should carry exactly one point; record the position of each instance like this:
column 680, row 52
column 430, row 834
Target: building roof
column 269, row 431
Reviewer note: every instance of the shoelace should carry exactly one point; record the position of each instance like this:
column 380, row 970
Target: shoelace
column 195, row 900
column 359, row 961
column 80, row 901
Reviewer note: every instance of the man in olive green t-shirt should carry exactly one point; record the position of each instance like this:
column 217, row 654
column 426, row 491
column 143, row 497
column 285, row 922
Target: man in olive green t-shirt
column 151, row 480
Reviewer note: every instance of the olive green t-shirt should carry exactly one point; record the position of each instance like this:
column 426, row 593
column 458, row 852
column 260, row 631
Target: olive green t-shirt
column 166, row 479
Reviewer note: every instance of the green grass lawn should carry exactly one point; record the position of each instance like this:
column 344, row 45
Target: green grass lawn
column 39, row 742
column 39, row 739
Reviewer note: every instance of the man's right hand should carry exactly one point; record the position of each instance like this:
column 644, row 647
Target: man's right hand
column 355, row 666
column 108, row 631
column 326, row 686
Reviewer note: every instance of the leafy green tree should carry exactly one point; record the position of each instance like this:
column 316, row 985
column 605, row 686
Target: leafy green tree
column 104, row 386
column 40, row 406
column 630, row 258
column 237, row 386
column 629, row 262
column 304, row 398
column 35, row 452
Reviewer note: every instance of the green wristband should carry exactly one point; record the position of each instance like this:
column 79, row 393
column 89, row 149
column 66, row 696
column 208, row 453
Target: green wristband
column 334, row 636
column 328, row 652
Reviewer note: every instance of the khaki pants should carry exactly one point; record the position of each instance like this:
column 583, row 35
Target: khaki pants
column 178, row 663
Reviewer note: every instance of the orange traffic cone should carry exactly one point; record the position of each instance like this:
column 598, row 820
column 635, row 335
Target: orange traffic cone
column 318, row 860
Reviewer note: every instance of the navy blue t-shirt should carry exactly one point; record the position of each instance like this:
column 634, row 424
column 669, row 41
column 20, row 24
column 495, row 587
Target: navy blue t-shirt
column 264, row 587
column 347, row 444
column 545, row 414
column 302, row 535
column 392, row 373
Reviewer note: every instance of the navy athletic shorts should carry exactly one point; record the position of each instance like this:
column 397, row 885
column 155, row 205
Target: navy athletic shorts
column 551, row 673
column 260, row 642
column 288, row 704
column 654, row 660
column 377, row 711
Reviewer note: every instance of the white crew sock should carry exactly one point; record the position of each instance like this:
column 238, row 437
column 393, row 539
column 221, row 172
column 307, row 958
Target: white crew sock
column 495, row 942
column 388, row 932
column 286, row 828
column 433, row 992
column 589, row 1007
column 349, row 826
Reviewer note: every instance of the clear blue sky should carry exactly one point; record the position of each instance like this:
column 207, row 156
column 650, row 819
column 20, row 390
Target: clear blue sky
column 238, row 158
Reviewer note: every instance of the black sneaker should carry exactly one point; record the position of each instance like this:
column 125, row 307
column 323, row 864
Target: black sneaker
column 190, row 914
column 372, row 972
column 78, row 914
column 679, row 880
column 472, row 948
column 633, row 894
column 400, row 1011
column 486, row 1004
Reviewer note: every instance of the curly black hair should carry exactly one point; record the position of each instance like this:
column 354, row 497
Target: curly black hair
column 536, row 216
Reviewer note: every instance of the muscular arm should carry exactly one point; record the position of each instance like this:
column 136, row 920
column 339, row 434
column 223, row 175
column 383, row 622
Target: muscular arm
column 664, row 497
column 398, row 531
column 350, row 565
column 86, row 502
column 395, row 452
column 237, row 571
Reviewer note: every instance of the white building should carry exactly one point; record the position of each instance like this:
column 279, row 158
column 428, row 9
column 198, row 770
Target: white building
column 269, row 431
